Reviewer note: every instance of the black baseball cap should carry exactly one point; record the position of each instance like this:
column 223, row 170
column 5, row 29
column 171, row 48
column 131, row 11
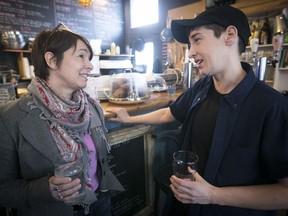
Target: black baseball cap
column 222, row 15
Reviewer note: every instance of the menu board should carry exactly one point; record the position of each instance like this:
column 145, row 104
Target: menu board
column 127, row 163
column 94, row 22
column 26, row 16
column 79, row 19
column 109, row 21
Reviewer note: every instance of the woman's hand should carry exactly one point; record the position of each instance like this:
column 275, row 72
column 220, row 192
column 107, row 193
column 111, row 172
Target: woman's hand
column 196, row 192
column 63, row 188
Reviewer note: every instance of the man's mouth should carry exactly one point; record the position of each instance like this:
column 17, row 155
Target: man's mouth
column 198, row 62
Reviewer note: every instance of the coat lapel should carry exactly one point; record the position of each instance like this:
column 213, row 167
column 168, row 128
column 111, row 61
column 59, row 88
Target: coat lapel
column 35, row 130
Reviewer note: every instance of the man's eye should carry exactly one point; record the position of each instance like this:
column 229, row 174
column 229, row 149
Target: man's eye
column 195, row 40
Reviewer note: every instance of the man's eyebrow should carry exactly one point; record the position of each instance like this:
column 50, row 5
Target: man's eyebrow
column 194, row 35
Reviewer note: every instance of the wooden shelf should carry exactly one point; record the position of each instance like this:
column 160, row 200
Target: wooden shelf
column 16, row 50
column 265, row 46
column 121, row 55
column 260, row 7
column 114, row 57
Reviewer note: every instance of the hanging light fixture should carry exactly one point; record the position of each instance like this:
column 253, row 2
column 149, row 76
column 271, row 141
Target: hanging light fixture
column 85, row 3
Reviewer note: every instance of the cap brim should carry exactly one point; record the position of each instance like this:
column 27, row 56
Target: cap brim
column 180, row 28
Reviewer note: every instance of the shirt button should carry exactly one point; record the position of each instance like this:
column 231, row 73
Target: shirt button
column 198, row 99
column 235, row 105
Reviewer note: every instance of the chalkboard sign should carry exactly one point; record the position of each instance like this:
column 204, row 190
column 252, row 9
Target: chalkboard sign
column 7, row 93
column 28, row 17
column 101, row 20
column 79, row 19
column 127, row 163
column 109, row 22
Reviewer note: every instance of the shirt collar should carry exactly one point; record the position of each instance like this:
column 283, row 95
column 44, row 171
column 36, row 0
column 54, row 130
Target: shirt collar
column 238, row 94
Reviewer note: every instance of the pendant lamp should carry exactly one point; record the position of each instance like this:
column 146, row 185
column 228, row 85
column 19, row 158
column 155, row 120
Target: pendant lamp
column 85, row 3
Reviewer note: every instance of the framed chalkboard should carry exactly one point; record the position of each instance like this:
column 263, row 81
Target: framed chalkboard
column 127, row 163
column 131, row 161
column 99, row 21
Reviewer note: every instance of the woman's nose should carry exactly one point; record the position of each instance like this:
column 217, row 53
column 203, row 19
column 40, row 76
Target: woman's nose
column 90, row 65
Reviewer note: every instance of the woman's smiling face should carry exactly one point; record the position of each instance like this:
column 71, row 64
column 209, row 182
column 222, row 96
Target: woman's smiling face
column 72, row 73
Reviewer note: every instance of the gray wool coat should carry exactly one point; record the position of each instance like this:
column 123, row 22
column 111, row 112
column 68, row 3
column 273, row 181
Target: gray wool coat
column 26, row 154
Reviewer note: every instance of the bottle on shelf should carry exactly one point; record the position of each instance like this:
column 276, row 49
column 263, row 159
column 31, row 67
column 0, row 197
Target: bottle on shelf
column 252, row 30
column 117, row 50
column 265, row 32
column 257, row 32
column 113, row 48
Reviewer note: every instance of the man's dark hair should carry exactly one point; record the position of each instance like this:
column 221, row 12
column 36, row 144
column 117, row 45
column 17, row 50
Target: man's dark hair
column 218, row 30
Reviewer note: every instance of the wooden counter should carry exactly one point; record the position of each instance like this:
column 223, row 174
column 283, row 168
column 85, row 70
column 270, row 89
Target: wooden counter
column 156, row 101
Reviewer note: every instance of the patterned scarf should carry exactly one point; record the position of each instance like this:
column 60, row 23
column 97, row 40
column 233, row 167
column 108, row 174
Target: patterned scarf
column 67, row 117
column 67, row 120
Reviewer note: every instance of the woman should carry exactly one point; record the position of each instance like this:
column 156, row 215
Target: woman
column 55, row 116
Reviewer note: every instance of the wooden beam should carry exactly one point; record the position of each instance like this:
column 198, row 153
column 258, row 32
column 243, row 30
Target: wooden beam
column 261, row 7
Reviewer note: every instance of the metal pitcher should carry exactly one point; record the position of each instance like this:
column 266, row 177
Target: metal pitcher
column 190, row 75
column 260, row 71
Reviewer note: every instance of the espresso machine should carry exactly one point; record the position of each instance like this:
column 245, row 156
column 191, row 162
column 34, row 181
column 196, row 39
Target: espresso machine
column 260, row 62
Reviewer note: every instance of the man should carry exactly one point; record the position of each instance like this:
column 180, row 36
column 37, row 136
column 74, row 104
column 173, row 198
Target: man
column 236, row 124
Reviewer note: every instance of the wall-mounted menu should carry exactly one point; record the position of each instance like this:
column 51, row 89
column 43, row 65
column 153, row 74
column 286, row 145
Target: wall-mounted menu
column 79, row 19
column 26, row 16
column 102, row 20
column 109, row 21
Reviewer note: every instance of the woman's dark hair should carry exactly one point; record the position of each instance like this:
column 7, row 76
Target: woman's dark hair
column 218, row 30
column 56, row 41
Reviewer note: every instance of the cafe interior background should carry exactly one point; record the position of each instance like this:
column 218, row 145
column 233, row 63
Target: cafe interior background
column 139, row 32
column 127, row 36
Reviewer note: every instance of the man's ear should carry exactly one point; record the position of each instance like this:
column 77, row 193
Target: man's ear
column 231, row 35
column 50, row 60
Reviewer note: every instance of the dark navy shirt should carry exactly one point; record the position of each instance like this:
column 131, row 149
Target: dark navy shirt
column 250, row 139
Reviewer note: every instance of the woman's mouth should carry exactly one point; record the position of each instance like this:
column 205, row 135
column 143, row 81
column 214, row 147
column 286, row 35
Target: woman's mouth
column 84, row 75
